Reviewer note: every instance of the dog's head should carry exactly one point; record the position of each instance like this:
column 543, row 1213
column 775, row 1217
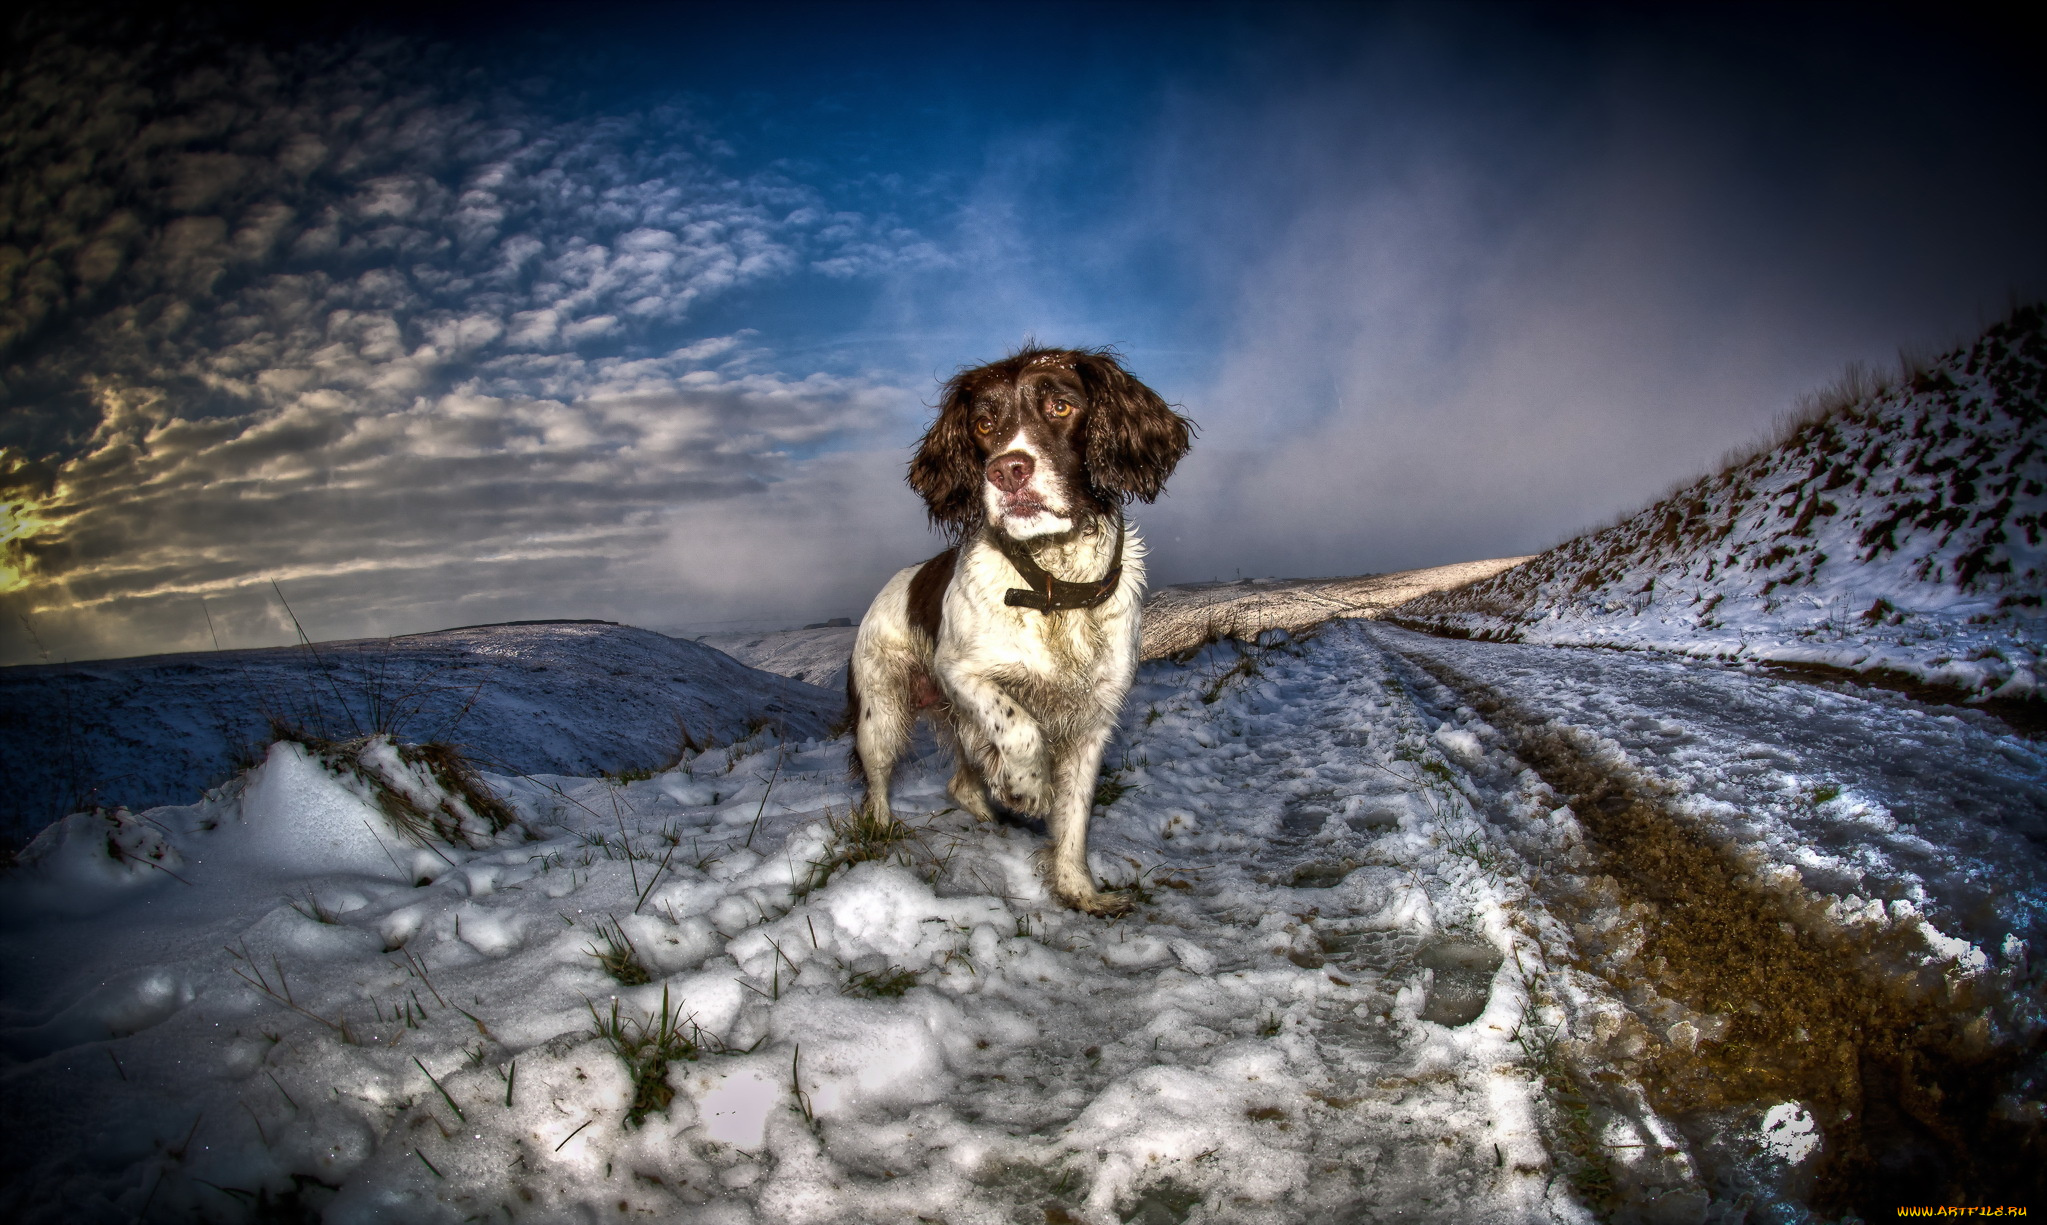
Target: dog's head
column 1041, row 441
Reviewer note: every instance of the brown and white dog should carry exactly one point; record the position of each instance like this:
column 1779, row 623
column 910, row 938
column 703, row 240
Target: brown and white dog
column 1020, row 641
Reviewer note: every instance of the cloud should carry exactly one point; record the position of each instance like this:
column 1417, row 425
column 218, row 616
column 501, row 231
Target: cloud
column 428, row 340
column 229, row 221
column 1491, row 288
column 313, row 316
column 401, row 518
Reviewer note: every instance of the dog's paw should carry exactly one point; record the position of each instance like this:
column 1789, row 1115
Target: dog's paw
column 1025, row 803
column 1021, row 787
column 971, row 796
column 1100, row 903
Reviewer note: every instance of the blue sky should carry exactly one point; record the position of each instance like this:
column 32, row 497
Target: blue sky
column 634, row 312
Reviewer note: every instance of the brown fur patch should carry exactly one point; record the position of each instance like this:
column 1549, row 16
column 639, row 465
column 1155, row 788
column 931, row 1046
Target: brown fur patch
column 927, row 592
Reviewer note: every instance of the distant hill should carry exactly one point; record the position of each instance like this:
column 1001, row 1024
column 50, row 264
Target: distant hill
column 558, row 697
column 816, row 654
column 1191, row 614
column 1896, row 527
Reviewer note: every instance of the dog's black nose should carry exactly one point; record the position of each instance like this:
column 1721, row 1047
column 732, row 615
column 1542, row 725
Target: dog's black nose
column 1010, row 470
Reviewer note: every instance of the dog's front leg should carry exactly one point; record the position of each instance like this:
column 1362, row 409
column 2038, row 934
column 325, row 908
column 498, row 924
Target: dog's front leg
column 1003, row 738
column 1072, row 807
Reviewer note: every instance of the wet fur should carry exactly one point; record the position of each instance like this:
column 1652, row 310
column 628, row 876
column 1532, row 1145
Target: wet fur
column 1025, row 700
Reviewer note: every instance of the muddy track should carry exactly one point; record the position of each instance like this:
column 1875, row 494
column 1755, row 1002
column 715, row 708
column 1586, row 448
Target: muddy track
column 1900, row 1068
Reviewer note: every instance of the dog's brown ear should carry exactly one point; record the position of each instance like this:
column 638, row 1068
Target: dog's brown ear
column 1134, row 438
column 946, row 471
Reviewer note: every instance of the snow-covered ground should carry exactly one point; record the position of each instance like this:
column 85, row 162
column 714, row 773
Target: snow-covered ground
column 558, row 696
column 1904, row 530
column 1869, row 797
column 1374, row 974
column 564, row 697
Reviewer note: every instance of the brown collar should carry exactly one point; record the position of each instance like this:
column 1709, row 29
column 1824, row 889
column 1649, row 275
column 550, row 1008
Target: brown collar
column 1048, row 594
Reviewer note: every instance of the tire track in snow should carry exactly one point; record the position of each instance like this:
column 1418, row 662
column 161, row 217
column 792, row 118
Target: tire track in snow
column 1747, row 993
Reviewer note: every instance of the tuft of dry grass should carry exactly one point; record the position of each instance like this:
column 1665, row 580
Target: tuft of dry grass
column 647, row 1046
column 619, row 957
column 464, row 810
column 1246, row 668
column 1570, row 1129
column 858, row 836
column 887, row 982
column 310, row 905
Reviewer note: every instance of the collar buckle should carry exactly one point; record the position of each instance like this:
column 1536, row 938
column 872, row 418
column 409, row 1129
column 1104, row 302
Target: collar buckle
column 1048, row 594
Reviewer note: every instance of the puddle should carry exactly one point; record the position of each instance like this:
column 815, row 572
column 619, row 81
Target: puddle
column 1373, row 820
column 1167, row 1203
column 1304, row 820
column 1321, row 874
column 1756, row 1154
column 1463, row 979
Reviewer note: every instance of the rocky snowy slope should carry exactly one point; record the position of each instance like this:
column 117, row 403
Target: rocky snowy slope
column 1427, row 930
column 1899, row 528
column 548, row 697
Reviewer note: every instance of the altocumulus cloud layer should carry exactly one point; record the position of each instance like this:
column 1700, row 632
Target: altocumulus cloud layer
column 397, row 342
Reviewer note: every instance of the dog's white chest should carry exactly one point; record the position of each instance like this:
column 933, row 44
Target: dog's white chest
column 1070, row 654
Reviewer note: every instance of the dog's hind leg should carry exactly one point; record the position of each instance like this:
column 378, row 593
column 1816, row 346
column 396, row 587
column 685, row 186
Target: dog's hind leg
column 884, row 714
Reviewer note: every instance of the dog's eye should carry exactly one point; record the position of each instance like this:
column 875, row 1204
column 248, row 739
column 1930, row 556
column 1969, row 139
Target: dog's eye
column 984, row 425
column 1060, row 408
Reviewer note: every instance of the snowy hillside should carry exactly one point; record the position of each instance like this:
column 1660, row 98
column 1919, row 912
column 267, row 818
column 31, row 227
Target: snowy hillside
column 1902, row 531
column 551, row 697
column 1427, row 930
column 1190, row 615
column 1179, row 618
column 816, row 656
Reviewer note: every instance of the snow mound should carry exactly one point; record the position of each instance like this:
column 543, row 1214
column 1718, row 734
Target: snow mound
column 359, row 811
column 1900, row 530
column 560, row 697
column 299, row 819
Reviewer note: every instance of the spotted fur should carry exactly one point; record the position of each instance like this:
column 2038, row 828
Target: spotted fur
column 1044, row 448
